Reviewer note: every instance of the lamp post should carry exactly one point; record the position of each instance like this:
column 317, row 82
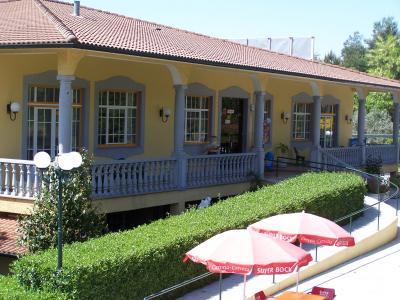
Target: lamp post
column 62, row 164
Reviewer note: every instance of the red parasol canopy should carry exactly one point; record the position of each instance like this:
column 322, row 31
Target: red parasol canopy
column 307, row 228
column 244, row 251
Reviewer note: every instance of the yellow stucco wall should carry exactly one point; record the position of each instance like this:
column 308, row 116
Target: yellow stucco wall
column 12, row 70
column 157, row 80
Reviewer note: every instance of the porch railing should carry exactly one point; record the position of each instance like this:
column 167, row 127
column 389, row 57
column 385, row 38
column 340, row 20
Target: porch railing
column 18, row 178
column 349, row 155
column 128, row 177
column 388, row 153
column 219, row 169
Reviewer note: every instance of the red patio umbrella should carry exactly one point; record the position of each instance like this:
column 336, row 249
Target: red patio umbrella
column 304, row 227
column 245, row 252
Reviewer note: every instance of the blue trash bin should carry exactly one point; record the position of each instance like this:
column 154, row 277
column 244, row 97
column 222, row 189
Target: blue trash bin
column 268, row 164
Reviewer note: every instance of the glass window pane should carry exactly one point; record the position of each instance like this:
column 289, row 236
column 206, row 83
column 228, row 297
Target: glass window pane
column 40, row 94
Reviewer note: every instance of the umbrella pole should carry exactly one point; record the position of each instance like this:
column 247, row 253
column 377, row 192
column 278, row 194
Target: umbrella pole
column 220, row 286
column 244, row 288
column 297, row 284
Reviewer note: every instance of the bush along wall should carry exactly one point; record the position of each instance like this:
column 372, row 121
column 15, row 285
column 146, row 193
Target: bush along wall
column 139, row 262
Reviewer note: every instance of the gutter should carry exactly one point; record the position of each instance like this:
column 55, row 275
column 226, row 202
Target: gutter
column 10, row 255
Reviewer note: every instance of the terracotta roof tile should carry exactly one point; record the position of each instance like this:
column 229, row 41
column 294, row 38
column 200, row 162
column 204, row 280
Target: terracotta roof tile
column 53, row 22
column 21, row 21
column 9, row 237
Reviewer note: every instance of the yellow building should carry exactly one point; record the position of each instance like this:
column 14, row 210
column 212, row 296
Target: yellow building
column 152, row 103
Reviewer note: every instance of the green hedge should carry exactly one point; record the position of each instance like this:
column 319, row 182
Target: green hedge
column 11, row 290
column 138, row 262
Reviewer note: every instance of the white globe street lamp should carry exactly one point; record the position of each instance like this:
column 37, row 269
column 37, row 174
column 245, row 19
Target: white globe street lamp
column 63, row 163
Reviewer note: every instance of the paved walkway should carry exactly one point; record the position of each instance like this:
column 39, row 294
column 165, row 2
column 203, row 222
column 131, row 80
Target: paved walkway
column 368, row 272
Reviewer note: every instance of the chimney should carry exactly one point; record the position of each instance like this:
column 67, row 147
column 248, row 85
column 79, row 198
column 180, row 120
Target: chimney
column 77, row 8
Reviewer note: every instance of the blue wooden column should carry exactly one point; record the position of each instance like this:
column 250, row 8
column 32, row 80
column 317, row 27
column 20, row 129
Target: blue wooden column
column 179, row 134
column 361, row 128
column 65, row 114
column 259, row 133
column 316, row 120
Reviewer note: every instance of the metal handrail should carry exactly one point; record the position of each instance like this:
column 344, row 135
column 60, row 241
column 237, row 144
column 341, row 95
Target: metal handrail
column 365, row 174
column 349, row 216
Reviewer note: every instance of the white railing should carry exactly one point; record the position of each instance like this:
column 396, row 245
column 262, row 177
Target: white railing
column 219, row 169
column 349, row 155
column 331, row 162
column 21, row 179
column 128, row 177
column 18, row 178
column 387, row 153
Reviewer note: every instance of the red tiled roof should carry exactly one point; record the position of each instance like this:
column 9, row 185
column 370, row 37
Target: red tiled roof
column 9, row 237
column 44, row 22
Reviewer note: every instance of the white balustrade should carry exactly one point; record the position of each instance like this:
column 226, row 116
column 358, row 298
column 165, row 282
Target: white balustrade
column 129, row 177
column 387, row 153
column 18, row 178
column 21, row 179
column 348, row 155
column 207, row 170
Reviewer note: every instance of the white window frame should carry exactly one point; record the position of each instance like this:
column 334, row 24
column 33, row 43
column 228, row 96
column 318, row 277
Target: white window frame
column 199, row 112
column 41, row 104
column 304, row 117
column 125, row 108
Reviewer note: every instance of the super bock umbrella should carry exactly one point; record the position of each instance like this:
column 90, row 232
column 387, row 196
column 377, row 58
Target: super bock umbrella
column 245, row 252
column 304, row 227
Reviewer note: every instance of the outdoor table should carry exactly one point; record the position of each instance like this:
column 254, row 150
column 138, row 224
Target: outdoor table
column 299, row 296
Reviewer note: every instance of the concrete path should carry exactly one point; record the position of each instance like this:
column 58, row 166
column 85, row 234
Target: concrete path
column 376, row 266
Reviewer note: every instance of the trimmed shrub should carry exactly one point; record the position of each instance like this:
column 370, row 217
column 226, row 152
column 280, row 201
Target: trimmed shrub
column 139, row 262
column 80, row 219
column 11, row 290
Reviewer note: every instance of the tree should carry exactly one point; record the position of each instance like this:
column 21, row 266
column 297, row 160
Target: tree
column 383, row 60
column 387, row 26
column 332, row 58
column 80, row 219
column 353, row 53
column 376, row 121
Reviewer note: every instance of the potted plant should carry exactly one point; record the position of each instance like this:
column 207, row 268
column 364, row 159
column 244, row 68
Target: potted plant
column 282, row 150
column 373, row 165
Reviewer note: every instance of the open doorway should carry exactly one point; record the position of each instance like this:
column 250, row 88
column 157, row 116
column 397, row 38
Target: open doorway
column 233, row 135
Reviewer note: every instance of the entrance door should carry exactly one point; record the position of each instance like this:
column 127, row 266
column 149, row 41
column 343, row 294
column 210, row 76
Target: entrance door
column 43, row 120
column 328, row 126
column 43, row 131
column 326, row 131
column 232, row 129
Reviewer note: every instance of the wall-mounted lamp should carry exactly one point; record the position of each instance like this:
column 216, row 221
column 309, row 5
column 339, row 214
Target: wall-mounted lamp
column 348, row 119
column 12, row 110
column 252, row 107
column 285, row 117
column 165, row 113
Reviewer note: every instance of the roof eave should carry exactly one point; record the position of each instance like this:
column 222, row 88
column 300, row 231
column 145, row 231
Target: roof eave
column 191, row 60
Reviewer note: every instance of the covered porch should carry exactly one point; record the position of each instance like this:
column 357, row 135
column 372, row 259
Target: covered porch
column 72, row 99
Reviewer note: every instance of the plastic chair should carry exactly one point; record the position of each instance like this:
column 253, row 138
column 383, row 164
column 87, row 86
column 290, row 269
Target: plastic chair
column 321, row 291
column 299, row 158
column 261, row 296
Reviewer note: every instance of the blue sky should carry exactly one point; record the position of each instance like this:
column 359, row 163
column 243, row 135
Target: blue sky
column 331, row 22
